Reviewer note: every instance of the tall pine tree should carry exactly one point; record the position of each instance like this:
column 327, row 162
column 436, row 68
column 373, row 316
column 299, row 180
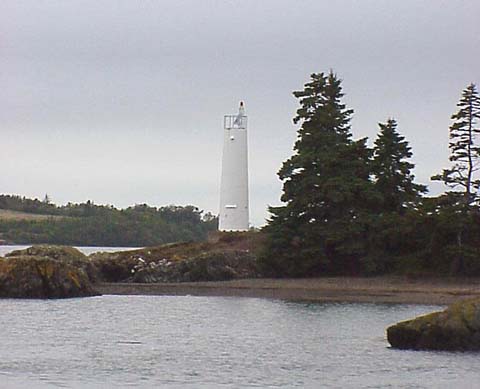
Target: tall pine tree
column 464, row 149
column 392, row 170
column 465, row 158
column 326, row 190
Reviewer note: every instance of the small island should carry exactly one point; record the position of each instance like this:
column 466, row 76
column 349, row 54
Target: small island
column 353, row 226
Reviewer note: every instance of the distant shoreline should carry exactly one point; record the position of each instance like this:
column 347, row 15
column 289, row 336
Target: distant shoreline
column 400, row 290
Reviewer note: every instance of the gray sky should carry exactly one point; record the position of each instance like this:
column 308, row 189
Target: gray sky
column 122, row 102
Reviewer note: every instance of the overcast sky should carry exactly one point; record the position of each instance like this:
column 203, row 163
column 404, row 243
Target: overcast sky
column 122, row 102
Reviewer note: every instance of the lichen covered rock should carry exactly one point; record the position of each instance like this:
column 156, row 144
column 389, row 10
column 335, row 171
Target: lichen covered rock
column 208, row 266
column 64, row 254
column 456, row 328
column 226, row 255
column 116, row 266
column 180, row 262
column 46, row 272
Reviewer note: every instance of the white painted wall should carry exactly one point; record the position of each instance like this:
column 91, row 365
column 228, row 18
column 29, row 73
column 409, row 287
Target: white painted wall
column 234, row 183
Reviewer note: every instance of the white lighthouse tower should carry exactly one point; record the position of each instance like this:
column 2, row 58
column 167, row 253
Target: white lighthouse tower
column 234, row 185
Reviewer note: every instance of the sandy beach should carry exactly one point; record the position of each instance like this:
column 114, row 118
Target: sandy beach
column 334, row 289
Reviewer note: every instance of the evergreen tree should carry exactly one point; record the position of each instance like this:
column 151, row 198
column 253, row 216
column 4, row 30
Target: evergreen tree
column 326, row 190
column 465, row 153
column 465, row 158
column 392, row 171
column 395, row 215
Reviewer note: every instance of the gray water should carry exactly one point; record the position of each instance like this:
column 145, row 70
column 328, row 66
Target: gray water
column 215, row 342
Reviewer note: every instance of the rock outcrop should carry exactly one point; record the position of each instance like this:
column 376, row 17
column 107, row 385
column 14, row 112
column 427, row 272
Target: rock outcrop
column 208, row 266
column 42, row 277
column 47, row 271
column 63, row 254
column 456, row 329
column 117, row 266
column 230, row 258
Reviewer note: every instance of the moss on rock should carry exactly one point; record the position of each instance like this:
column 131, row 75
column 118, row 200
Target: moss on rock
column 46, row 271
column 64, row 254
column 207, row 266
column 229, row 256
column 456, row 328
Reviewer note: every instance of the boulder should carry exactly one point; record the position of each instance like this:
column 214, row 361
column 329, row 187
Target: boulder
column 116, row 266
column 30, row 276
column 207, row 266
column 455, row 329
column 64, row 254
column 179, row 262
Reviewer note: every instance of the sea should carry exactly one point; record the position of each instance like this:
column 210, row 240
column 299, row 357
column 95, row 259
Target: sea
column 215, row 342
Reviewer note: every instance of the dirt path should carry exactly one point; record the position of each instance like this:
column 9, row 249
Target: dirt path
column 339, row 289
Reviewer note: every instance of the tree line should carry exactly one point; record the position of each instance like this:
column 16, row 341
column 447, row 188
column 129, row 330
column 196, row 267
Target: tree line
column 88, row 224
column 351, row 209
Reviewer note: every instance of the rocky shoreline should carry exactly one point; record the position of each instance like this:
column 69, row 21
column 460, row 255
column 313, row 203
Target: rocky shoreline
column 47, row 271
column 222, row 268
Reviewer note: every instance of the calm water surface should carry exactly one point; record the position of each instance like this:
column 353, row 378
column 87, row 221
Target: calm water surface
column 215, row 342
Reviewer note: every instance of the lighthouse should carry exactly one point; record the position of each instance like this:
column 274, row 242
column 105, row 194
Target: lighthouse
column 234, row 182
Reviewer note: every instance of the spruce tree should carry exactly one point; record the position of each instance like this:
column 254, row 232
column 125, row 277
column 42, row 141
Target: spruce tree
column 465, row 158
column 464, row 149
column 326, row 190
column 396, row 212
column 392, row 170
